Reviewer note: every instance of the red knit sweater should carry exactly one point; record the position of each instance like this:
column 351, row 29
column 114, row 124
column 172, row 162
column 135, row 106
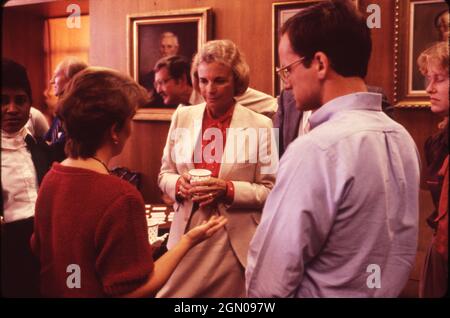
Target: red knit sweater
column 97, row 222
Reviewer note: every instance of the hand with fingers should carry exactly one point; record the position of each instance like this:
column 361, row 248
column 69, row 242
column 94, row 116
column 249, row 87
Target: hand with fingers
column 205, row 230
column 208, row 192
column 183, row 187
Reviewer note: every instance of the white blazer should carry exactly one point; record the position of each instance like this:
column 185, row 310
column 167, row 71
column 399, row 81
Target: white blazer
column 252, row 179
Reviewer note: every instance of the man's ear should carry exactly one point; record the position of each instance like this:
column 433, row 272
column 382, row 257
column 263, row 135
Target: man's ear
column 114, row 134
column 322, row 64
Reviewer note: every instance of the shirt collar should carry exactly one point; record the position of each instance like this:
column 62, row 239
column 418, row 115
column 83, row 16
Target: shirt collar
column 355, row 101
column 15, row 140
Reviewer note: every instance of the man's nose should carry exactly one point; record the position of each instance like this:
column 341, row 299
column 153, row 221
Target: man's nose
column 11, row 107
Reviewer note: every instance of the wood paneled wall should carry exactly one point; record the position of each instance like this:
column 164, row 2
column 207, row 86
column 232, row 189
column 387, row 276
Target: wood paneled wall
column 22, row 34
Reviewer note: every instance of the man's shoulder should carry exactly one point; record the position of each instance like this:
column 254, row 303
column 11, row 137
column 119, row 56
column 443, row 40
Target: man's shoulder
column 348, row 126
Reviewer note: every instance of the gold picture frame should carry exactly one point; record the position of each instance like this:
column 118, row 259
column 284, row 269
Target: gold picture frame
column 414, row 31
column 193, row 28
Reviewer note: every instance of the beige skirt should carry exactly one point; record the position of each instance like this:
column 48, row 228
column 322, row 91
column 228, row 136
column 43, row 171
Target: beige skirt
column 210, row 269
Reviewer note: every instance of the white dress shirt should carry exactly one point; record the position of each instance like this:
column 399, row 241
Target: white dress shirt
column 303, row 126
column 19, row 180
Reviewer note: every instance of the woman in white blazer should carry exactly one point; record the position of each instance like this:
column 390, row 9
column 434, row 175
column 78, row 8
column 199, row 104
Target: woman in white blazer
column 237, row 145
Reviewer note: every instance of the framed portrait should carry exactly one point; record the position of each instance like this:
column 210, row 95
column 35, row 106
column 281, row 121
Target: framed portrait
column 281, row 12
column 418, row 25
column 150, row 34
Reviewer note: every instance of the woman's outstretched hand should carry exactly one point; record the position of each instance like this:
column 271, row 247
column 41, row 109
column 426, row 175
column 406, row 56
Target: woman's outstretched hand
column 205, row 230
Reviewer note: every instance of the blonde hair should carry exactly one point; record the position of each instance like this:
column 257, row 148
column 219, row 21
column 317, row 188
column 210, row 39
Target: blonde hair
column 228, row 54
column 70, row 66
column 436, row 55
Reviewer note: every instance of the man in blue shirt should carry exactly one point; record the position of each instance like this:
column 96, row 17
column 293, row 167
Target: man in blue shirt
column 342, row 219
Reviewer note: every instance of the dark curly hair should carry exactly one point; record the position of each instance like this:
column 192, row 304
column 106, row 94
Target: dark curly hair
column 14, row 75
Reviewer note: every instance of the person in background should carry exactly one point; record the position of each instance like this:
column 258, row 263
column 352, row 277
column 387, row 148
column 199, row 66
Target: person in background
column 341, row 221
column 293, row 123
column 64, row 72
column 87, row 217
column 237, row 188
column 168, row 46
column 37, row 124
column 433, row 63
column 25, row 160
column 442, row 25
column 173, row 82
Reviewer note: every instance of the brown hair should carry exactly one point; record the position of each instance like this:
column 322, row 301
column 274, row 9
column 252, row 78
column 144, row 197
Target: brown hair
column 177, row 66
column 94, row 101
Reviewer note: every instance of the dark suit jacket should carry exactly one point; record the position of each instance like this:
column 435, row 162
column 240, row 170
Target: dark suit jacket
column 287, row 118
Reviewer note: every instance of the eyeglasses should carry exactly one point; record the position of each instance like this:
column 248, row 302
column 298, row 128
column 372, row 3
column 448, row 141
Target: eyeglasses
column 285, row 71
column 161, row 82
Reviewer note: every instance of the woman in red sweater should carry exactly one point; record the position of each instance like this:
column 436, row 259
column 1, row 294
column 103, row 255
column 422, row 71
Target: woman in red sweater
column 90, row 231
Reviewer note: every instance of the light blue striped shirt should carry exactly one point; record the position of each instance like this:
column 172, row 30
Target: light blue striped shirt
column 342, row 219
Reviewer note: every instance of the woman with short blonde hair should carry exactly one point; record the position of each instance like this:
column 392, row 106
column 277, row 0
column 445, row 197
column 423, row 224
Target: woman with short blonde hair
column 237, row 188
column 226, row 53
column 433, row 63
